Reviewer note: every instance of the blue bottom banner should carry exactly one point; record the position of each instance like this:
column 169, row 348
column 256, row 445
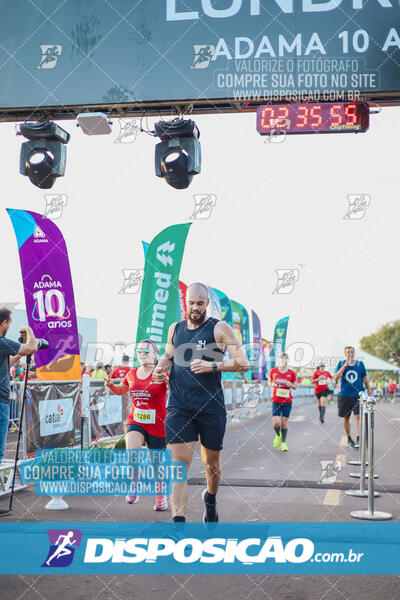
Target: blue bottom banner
column 196, row 548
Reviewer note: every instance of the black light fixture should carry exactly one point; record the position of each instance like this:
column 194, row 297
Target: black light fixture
column 178, row 155
column 43, row 157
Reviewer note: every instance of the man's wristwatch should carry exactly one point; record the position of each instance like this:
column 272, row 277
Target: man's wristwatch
column 214, row 366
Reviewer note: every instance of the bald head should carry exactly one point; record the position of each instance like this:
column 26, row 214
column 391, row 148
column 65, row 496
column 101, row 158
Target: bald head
column 197, row 301
column 197, row 288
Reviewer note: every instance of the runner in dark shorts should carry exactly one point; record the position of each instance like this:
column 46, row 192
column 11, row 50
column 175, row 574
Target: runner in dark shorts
column 353, row 378
column 196, row 407
column 145, row 422
column 320, row 381
column 283, row 381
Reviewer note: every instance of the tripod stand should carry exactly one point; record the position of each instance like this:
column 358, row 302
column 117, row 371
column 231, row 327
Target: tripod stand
column 24, row 385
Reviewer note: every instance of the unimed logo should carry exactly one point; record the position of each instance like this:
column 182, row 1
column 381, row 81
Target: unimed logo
column 191, row 550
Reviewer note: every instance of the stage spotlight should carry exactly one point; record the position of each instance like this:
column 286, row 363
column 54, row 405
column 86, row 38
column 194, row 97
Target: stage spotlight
column 178, row 155
column 43, row 157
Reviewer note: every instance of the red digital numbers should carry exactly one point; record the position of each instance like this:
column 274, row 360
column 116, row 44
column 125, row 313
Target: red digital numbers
column 336, row 114
column 274, row 117
column 267, row 115
column 302, row 117
column 313, row 118
column 316, row 116
column 351, row 114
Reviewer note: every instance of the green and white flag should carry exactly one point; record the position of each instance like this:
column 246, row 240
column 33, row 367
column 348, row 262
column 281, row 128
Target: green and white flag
column 160, row 289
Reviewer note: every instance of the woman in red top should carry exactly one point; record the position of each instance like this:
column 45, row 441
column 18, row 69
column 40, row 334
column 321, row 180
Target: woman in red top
column 320, row 381
column 145, row 422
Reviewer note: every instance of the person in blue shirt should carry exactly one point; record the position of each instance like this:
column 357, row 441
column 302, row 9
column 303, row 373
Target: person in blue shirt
column 353, row 380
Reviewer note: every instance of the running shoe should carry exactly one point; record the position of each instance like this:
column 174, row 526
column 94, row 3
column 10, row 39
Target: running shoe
column 132, row 499
column 351, row 442
column 161, row 503
column 210, row 514
column 284, row 447
column 277, row 441
column 321, row 420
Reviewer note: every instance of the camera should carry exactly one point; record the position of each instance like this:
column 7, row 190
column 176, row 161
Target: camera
column 42, row 344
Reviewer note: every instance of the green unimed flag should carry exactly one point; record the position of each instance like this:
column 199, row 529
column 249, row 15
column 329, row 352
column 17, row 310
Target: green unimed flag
column 160, row 288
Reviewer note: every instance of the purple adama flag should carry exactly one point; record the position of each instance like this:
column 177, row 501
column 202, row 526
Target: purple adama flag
column 49, row 295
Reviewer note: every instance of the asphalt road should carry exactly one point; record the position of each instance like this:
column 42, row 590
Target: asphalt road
column 259, row 483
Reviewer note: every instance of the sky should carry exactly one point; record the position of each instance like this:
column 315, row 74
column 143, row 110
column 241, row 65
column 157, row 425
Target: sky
column 278, row 206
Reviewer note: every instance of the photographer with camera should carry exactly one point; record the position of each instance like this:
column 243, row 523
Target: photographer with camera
column 9, row 348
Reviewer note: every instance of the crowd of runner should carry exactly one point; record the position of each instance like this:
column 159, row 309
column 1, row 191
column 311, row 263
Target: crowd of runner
column 190, row 369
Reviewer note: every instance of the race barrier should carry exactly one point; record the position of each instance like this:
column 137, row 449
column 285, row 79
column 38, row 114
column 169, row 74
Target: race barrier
column 368, row 432
column 363, row 463
column 61, row 414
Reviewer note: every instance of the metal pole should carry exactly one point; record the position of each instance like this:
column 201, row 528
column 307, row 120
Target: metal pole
column 363, row 442
column 361, row 493
column 363, row 399
column 370, row 514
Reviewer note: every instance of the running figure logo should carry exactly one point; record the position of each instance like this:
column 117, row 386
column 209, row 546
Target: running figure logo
column 329, row 470
column 286, row 281
column 203, row 54
column 203, row 205
column 128, row 129
column 132, row 281
column 55, row 204
column 50, row 56
column 279, row 128
column 62, row 547
column 252, row 395
column 358, row 204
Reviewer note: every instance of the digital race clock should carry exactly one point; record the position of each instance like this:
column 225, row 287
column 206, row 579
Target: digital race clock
column 331, row 117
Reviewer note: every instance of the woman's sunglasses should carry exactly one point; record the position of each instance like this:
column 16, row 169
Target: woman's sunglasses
column 143, row 350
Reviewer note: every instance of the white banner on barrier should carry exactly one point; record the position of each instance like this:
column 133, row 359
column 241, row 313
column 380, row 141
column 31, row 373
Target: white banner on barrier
column 111, row 411
column 56, row 416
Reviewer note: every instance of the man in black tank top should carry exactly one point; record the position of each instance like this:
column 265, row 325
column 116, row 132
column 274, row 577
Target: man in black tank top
column 196, row 407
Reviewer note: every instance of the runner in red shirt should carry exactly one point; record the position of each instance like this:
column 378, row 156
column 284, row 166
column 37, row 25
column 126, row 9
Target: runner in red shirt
column 392, row 390
column 320, row 381
column 283, row 381
column 121, row 371
column 145, row 422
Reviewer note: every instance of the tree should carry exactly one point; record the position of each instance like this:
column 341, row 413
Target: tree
column 384, row 343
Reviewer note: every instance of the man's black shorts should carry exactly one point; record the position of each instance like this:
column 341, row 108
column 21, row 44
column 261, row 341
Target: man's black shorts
column 346, row 404
column 188, row 426
column 323, row 394
column 153, row 442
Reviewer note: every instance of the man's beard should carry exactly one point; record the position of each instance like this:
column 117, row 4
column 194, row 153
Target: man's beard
column 197, row 320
